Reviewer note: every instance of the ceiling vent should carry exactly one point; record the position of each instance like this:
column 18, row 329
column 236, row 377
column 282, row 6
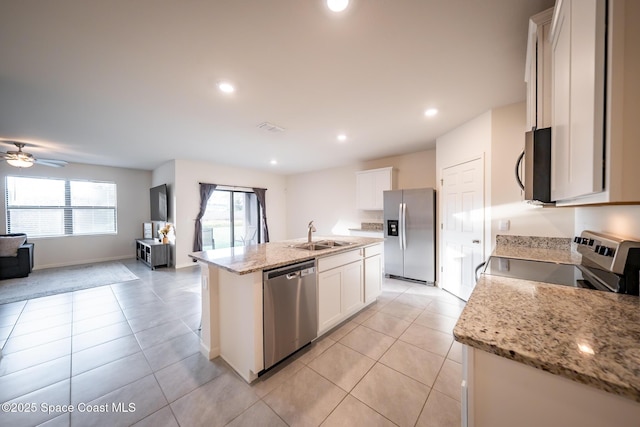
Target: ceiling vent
column 270, row 127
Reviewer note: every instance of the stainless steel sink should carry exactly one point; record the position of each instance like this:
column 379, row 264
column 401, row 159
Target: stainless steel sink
column 333, row 243
column 322, row 244
column 315, row 246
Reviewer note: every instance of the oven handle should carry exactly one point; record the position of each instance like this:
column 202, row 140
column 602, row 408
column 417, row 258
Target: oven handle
column 594, row 280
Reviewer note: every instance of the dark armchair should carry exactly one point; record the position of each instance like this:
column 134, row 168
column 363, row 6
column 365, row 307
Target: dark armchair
column 16, row 256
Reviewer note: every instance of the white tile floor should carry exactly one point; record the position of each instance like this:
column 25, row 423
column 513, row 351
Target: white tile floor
column 128, row 354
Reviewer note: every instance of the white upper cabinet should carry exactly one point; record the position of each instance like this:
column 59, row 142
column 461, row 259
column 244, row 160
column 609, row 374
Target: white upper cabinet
column 595, row 131
column 538, row 71
column 370, row 185
column 578, row 74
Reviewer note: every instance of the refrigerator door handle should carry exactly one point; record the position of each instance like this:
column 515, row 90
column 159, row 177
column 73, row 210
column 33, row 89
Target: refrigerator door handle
column 400, row 225
column 404, row 225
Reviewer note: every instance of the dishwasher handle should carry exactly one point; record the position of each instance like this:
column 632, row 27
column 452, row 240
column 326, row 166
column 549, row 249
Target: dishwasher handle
column 300, row 270
column 291, row 276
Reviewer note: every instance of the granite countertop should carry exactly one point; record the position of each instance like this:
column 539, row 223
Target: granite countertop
column 558, row 250
column 372, row 227
column 249, row 259
column 368, row 230
column 588, row 336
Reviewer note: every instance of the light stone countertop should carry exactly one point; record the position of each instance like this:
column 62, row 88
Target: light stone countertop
column 560, row 256
column 368, row 230
column 547, row 249
column 249, row 259
column 588, row 336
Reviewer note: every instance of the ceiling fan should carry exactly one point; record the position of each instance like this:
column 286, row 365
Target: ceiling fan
column 21, row 159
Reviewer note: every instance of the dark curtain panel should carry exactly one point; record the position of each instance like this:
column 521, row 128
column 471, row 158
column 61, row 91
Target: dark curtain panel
column 262, row 201
column 206, row 190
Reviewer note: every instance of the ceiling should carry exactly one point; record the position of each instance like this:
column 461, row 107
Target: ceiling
column 134, row 83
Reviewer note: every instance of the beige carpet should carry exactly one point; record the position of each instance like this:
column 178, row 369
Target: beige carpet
column 51, row 281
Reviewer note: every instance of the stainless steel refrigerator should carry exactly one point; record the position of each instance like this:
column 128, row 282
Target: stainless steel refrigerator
column 409, row 232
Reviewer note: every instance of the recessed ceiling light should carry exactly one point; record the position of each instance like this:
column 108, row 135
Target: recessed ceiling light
column 274, row 162
column 342, row 137
column 431, row 112
column 226, row 87
column 337, row 5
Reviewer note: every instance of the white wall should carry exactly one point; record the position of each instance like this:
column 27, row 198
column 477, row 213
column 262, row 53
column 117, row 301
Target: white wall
column 328, row 197
column 165, row 174
column 469, row 141
column 187, row 199
column 508, row 125
column 498, row 136
column 415, row 170
column 133, row 210
column 621, row 220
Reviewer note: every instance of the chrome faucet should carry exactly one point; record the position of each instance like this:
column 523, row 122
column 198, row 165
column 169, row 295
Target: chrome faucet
column 311, row 230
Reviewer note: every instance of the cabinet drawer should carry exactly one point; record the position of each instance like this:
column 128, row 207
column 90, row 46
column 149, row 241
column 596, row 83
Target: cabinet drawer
column 372, row 250
column 333, row 261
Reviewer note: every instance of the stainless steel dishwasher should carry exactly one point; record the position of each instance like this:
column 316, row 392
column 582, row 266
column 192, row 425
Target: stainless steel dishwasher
column 289, row 310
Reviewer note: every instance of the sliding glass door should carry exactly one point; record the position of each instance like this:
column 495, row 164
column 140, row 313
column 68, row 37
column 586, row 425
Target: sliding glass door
column 232, row 219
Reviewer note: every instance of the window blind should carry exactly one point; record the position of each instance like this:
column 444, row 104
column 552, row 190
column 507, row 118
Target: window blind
column 48, row 207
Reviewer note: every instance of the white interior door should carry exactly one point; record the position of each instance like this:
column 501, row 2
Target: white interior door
column 462, row 230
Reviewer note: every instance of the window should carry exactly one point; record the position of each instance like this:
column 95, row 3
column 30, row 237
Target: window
column 232, row 219
column 46, row 207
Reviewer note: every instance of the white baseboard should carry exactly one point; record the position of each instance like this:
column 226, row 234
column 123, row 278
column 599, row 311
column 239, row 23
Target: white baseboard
column 86, row 261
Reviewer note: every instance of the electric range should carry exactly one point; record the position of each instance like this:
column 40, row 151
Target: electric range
column 609, row 263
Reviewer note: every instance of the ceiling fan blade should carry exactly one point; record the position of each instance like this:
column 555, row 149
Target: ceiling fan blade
column 51, row 162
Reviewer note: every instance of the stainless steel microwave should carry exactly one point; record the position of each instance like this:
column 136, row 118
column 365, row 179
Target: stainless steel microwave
column 537, row 166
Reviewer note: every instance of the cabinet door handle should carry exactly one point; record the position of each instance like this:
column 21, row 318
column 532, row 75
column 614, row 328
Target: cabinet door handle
column 476, row 241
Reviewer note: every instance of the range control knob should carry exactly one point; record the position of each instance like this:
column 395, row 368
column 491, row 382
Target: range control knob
column 609, row 252
column 602, row 250
column 597, row 249
column 577, row 239
column 591, row 242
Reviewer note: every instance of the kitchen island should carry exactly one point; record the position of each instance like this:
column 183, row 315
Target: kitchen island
column 232, row 292
column 542, row 354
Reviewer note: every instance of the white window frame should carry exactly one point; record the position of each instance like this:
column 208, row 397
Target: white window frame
column 68, row 209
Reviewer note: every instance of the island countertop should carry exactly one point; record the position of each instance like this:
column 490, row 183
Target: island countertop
column 249, row 259
column 588, row 336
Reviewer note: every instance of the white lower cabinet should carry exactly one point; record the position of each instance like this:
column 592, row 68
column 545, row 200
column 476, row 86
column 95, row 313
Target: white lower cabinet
column 329, row 298
column 499, row 392
column 351, row 291
column 372, row 273
column 340, row 288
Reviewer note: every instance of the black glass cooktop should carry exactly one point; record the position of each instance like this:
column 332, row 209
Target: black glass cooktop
column 547, row 272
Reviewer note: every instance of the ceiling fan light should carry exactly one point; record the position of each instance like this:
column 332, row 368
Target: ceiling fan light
column 20, row 163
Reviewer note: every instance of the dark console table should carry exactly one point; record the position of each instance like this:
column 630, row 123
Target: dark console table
column 152, row 252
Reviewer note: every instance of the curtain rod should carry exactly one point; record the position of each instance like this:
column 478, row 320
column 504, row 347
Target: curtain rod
column 233, row 186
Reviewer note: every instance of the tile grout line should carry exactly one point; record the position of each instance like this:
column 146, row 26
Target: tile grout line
column 23, row 310
column 377, row 361
column 12, row 329
column 71, row 358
